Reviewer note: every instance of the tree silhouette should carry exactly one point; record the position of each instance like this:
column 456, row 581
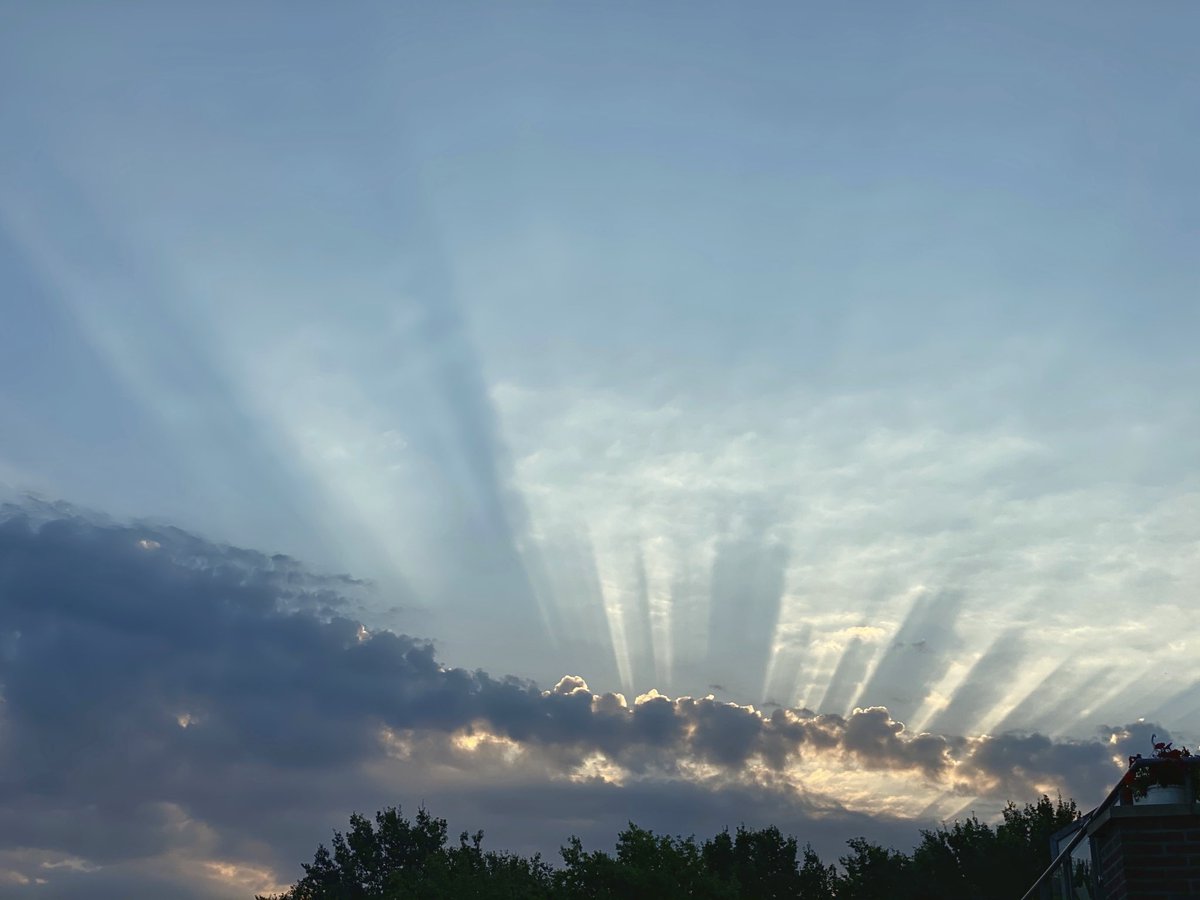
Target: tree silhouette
column 394, row 857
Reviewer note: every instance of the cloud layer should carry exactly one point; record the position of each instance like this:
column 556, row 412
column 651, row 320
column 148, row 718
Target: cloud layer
column 174, row 707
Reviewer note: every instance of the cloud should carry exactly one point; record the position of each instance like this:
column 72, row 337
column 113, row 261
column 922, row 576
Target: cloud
column 167, row 698
column 942, row 528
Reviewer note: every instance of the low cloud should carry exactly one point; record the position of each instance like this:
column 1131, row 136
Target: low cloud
column 172, row 705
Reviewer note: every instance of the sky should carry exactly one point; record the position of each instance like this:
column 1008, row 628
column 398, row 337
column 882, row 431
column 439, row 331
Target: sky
column 568, row 413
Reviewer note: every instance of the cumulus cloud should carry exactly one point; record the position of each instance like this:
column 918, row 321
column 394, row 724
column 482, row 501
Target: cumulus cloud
column 169, row 698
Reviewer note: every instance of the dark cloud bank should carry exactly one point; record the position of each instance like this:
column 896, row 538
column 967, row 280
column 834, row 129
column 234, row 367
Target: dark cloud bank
column 171, row 706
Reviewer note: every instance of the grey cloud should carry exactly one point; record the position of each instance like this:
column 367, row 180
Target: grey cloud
column 1015, row 763
column 150, row 677
column 873, row 734
column 110, row 643
column 117, row 883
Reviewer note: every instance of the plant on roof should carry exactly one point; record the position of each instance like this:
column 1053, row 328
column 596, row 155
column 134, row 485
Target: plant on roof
column 1170, row 768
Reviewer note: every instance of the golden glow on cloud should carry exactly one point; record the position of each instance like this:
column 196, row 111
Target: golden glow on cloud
column 396, row 744
column 252, row 879
column 597, row 767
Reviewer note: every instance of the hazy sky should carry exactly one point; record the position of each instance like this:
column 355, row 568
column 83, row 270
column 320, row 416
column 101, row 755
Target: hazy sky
column 814, row 356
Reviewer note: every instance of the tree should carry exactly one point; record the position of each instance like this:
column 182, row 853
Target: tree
column 396, row 858
column 958, row 862
column 817, row 881
column 393, row 857
column 1023, row 838
column 646, row 866
column 970, row 860
column 873, row 872
column 765, row 863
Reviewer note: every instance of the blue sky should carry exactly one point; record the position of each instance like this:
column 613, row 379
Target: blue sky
column 815, row 357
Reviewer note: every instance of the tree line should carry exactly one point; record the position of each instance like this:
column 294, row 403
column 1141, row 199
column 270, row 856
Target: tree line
column 395, row 857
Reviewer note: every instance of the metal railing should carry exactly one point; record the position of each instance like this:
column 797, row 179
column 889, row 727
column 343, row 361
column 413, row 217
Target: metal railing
column 1066, row 877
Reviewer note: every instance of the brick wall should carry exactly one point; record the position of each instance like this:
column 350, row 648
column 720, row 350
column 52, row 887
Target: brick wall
column 1145, row 854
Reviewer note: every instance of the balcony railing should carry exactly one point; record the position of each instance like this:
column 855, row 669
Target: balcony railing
column 1075, row 872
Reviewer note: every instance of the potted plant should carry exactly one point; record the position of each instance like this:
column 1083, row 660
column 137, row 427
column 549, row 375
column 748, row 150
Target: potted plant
column 1164, row 781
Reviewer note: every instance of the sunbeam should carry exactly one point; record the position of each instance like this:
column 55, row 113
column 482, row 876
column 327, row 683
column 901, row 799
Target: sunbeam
column 716, row 410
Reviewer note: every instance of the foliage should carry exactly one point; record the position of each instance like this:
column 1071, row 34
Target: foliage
column 1170, row 769
column 646, row 867
column 399, row 858
column 874, row 873
column 394, row 857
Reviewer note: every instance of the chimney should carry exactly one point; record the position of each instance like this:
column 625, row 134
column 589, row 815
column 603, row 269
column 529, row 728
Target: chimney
column 1142, row 842
column 1148, row 852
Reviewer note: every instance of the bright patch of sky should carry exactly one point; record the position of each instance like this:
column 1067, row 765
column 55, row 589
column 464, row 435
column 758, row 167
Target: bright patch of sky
column 822, row 355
